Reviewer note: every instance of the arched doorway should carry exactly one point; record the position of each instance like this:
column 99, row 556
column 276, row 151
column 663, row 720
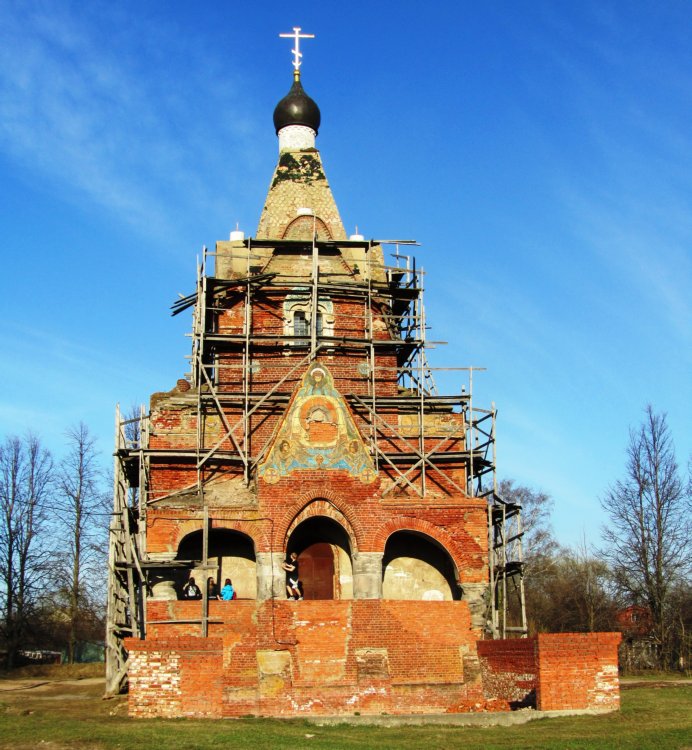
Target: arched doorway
column 416, row 566
column 318, row 571
column 232, row 555
column 324, row 558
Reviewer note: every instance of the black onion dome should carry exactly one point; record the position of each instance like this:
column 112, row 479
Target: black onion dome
column 297, row 108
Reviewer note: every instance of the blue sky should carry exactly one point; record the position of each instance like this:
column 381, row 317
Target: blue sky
column 541, row 152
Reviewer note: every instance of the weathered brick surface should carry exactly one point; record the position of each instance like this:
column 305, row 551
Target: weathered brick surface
column 578, row 670
column 554, row 671
column 509, row 669
column 287, row 658
column 175, row 677
column 308, row 187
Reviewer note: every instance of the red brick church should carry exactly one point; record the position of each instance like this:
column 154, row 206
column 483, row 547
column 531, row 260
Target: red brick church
column 310, row 424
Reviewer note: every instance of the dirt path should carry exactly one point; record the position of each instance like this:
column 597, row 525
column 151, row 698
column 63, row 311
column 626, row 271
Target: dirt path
column 38, row 685
column 636, row 682
column 80, row 698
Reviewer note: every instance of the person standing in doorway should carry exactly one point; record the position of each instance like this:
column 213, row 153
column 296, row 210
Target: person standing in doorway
column 290, row 565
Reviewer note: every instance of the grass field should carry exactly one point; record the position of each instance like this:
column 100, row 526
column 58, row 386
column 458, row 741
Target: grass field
column 65, row 710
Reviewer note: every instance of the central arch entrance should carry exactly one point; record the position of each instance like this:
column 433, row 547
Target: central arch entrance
column 324, row 558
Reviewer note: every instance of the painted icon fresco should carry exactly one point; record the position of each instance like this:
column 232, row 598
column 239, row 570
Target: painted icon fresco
column 318, row 432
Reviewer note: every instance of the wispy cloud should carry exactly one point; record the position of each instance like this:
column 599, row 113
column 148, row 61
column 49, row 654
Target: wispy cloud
column 49, row 358
column 77, row 110
column 628, row 202
column 635, row 242
column 51, row 381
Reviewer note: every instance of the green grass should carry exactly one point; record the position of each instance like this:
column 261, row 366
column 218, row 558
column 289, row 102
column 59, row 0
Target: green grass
column 650, row 718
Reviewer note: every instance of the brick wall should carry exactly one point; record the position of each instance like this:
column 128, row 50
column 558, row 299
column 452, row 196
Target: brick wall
column 285, row 658
column 175, row 677
column 553, row 671
column 509, row 670
column 319, row 657
column 578, row 671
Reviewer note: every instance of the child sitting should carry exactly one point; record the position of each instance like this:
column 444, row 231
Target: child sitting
column 228, row 592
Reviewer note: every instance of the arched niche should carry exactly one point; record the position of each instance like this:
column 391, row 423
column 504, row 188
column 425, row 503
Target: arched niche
column 324, row 558
column 232, row 555
column 416, row 566
column 305, row 227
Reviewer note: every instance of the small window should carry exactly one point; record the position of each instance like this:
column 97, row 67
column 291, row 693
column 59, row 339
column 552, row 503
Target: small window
column 298, row 317
column 300, row 324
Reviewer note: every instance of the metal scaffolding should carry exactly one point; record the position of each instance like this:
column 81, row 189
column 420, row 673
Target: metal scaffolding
column 388, row 340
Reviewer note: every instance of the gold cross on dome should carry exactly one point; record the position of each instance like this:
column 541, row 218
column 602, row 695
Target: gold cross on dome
column 297, row 54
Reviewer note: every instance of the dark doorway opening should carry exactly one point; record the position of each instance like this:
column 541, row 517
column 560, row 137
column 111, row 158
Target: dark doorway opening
column 324, row 558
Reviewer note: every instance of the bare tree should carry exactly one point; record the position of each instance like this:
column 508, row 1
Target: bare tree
column 133, row 425
column 83, row 517
column 536, row 511
column 26, row 475
column 589, row 582
column 539, row 550
column 647, row 542
column 570, row 594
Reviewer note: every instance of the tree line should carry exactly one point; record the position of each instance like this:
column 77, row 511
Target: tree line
column 642, row 566
column 54, row 517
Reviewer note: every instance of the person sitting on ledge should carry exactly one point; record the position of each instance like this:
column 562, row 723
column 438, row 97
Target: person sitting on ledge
column 212, row 589
column 191, row 590
column 228, row 592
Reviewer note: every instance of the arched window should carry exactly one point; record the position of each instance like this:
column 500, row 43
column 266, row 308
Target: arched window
column 231, row 554
column 298, row 316
column 300, row 324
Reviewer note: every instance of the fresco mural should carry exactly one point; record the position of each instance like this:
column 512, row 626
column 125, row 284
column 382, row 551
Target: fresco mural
column 318, row 432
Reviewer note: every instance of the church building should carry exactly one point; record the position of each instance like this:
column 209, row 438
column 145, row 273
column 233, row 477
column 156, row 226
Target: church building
column 308, row 460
